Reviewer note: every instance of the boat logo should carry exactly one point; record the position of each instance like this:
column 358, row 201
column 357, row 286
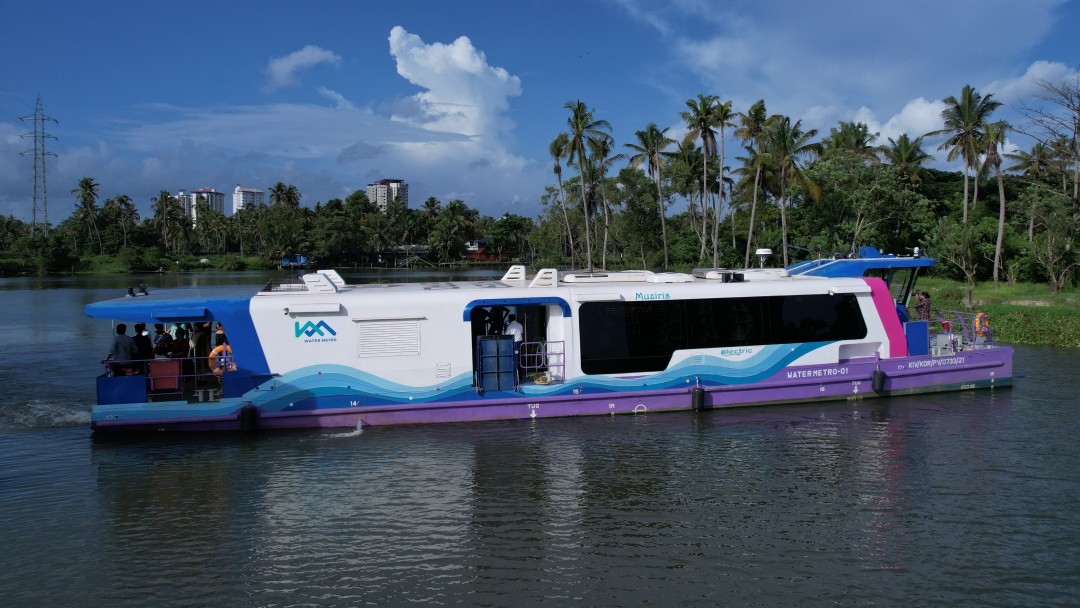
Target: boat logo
column 310, row 329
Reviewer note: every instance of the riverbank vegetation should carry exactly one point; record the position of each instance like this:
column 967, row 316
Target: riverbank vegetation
column 1007, row 219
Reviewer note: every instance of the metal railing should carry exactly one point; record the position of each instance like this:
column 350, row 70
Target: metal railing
column 543, row 362
column 961, row 330
column 170, row 379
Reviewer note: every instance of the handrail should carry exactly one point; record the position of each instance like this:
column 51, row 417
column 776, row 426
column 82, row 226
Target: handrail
column 171, row 378
column 549, row 356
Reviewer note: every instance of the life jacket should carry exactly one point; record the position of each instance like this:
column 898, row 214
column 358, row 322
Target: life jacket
column 221, row 359
column 982, row 323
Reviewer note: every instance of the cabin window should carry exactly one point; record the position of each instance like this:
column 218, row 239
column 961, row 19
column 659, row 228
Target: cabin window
column 387, row 338
column 629, row 337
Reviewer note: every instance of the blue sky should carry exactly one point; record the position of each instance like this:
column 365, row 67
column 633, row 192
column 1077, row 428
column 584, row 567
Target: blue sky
column 461, row 99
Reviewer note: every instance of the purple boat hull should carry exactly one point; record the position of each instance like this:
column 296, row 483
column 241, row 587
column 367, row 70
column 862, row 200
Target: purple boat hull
column 857, row 379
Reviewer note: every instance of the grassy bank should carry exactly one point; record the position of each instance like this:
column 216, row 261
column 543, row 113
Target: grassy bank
column 1020, row 314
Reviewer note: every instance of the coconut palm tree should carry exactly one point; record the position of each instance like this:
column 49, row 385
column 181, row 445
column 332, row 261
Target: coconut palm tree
column 788, row 144
column 700, row 120
column 650, row 150
column 121, row 207
column 1037, row 164
column 965, row 118
column 906, row 156
column 281, row 194
column 751, row 128
column 583, row 128
column 558, row 150
column 994, row 139
column 690, row 154
column 602, row 159
column 86, row 196
column 168, row 218
column 854, row 137
column 724, row 117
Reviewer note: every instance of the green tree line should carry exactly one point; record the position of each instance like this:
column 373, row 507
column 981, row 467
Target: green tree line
column 655, row 202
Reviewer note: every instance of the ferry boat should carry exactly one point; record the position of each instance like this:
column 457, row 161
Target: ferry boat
column 318, row 352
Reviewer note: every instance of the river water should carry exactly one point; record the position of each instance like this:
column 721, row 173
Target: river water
column 947, row 500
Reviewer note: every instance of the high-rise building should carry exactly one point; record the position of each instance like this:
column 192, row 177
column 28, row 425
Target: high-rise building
column 384, row 191
column 245, row 197
column 214, row 199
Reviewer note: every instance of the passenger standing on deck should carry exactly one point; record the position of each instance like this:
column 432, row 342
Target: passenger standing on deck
column 144, row 347
column 200, row 345
column 922, row 304
column 163, row 341
column 122, row 351
column 219, row 334
column 180, row 346
column 513, row 328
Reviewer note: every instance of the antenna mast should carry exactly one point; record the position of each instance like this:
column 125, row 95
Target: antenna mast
column 38, row 118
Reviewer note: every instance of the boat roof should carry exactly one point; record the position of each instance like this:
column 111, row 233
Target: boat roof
column 210, row 303
column 172, row 305
column 866, row 260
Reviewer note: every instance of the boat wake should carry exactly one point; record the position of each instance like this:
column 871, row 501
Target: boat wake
column 353, row 433
column 37, row 414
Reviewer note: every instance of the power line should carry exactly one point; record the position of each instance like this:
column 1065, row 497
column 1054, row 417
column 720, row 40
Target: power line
column 39, row 152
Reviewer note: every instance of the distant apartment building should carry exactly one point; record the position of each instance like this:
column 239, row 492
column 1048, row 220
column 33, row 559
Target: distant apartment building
column 384, row 191
column 246, row 197
column 215, row 200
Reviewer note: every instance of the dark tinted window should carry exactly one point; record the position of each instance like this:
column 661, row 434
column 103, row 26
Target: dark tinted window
column 628, row 337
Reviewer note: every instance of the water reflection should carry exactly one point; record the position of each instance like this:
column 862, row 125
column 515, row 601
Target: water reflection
column 858, row 502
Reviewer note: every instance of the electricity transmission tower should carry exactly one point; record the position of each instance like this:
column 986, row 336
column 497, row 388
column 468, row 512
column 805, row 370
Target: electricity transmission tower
column 38, row 118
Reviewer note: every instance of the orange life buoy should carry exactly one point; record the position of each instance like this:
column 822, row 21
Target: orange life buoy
column 982, row 323
column 221, row 359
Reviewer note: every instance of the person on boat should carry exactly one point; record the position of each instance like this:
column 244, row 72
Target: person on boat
column 144, row 346
column 180, row 346
column 982, row 324
column 163, row 341
column 122, row 352
column 219, row 334
column 922, row 305
column 221, row 359
column 200, row 348
column 513, row 328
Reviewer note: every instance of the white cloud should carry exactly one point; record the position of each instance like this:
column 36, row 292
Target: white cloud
column 339, row 100
column 463, row 93
column 281, row 71
column 917, row 118
column 1024, row 87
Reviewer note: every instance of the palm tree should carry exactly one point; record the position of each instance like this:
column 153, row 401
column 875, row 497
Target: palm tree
column 86, row 196
column 650, row 147
column 906, row 156
column 124, row 211
column 965, row 119
column 994, row 141
column 751, row 128
column 700, row 120
column 854, row 137
column 603, row 158
column 431, row 208
column 1036, row 164
column 168, row 217
column 788, row 143
column 280, row 194
column 583, row 129
column 558, row 150
column 724, row 117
